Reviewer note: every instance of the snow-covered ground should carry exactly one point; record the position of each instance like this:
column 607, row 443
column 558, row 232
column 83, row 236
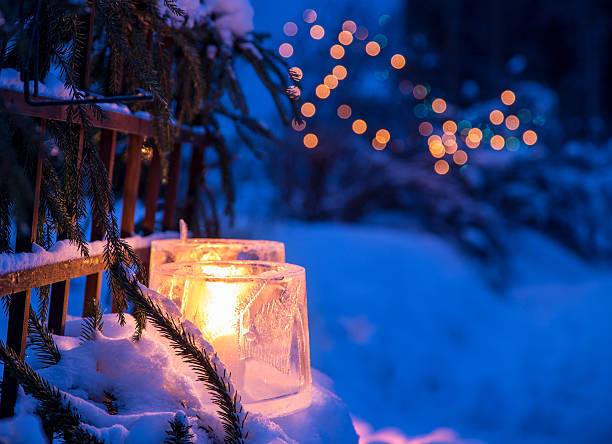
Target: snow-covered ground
column 423, row 351
column 415, row 340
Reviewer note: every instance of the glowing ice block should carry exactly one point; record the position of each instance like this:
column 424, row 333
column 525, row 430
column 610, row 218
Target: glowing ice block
column 254, row 314
column 201, row 249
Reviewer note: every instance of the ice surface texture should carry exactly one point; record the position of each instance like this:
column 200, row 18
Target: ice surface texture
column 254, row 314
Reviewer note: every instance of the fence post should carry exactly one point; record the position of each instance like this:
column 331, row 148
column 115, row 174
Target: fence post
column 19, row 306
column 153, row 185
column 169, row 220
column 130, row 186
column 108, row 143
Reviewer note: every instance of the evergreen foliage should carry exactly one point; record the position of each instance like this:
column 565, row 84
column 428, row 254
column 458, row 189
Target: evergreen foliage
column 55, row 410
column 224, row 395
column 180, row 431
column 92, row 324
column 41, row 341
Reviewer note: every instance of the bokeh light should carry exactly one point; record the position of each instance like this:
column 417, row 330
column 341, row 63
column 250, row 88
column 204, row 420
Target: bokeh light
column 398, row 61
column 308, row 109
column 441, row 167
column 345, row 37
column 344, row 111
column 449, row 127
column 474, row 135
column 372, row 49
column 336, row 51
column 530, row 137
column 460, row 157
column 311, row 140
column 425, row 129
column 349, row 26
column 359, row 126
column 361, row 33
column 378, row 145
column 298, row 126
column 512, row 122
column 497, row 142
column 296, row 73
column 383, row 136
column 419, row 92
column 438, row 106
column 472, row 144
column 290, row 29
column 309, row 16
column 317, row 32
column 285, row 50
column 436, row 149
column 508, row 97
column 339, row 72
column 330, row 81
column 496, row 117
column 322, row 91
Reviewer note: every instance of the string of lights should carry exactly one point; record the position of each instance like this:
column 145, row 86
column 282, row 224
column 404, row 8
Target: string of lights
column 448, row 142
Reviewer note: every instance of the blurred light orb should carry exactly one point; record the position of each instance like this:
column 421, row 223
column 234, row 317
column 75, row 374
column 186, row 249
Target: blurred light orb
column 336, row 51
column 311, row 140
column 349, row 26
column 512, row 122
column 450, row 149
column 309, row 15
column 449, row 139
column 497, row 142
column 361, row 33
column 322, row 91
column 298, row 126
column 530, row 137
column 512, row 143
column 425, row 129
column 449, row 127
column 433, row 138
column 381, row 39
column 398, row 61
column 345, row 38
column 359, row 126
column 437, row 150
column 460, row 157
column 464, row 124
column 438, row 106
column 378, row 145
column 405, row 87
column 384, row 19
column 330, row 81
column 508, row 97
column 441, row 167
column 472, row 144
column 294, row 92
column 496, row 117
column 419, row 92
column 339, row 72
column 420, row 111
column 285, row 50
column 308, row 109
column 344, row 111
column 290, row 29
column 383, row 136
column 372, row 48
column 474, row 135
column 317, row 32
column 296, row 73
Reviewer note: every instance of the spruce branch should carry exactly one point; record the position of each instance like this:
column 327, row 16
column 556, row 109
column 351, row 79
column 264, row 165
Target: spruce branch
column 224, row 395
column 92, row 324
column 180, row 431
column 55, row 410
column 41, row 341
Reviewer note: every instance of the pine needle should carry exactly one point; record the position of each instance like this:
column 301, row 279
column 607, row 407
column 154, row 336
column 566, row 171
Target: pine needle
column 55, row 410
column 41, row 341
column 92, row 324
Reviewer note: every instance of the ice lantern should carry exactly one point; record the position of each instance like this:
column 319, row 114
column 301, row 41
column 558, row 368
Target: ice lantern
column 191, row 250
column 254, row 315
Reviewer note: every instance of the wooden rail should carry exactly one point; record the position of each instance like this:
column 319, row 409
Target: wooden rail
column 18, row 284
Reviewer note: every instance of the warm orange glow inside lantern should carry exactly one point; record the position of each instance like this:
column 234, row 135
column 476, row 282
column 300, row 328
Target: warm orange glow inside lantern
column 255, row 316
column 201, row 249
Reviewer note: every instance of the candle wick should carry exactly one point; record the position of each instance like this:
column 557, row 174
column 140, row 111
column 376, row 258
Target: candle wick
column 183, row 230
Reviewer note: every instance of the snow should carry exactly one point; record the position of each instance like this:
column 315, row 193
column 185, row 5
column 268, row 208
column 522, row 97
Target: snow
column 419, row 345
column 65, row 250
